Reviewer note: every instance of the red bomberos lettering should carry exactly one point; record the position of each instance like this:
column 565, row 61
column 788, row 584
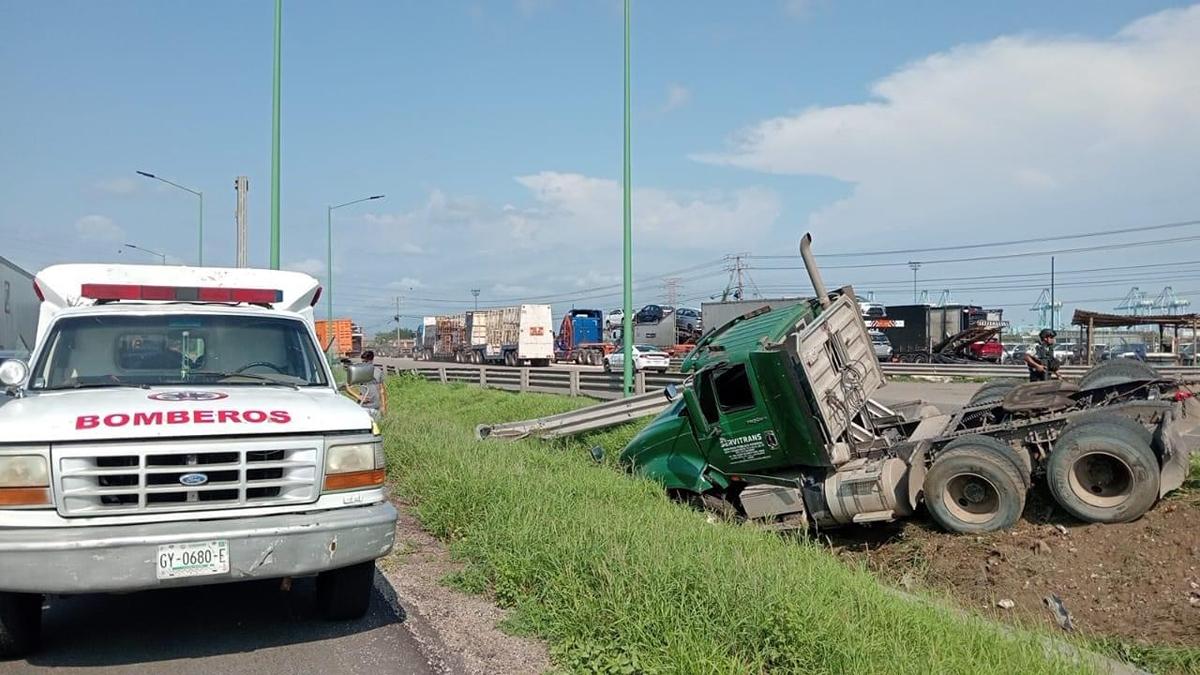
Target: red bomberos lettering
column 158, row 418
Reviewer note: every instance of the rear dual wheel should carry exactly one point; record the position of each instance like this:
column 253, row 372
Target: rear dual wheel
column 1103, row 470
column 973, row 488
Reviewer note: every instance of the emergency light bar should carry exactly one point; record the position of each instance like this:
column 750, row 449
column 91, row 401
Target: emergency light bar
column 111, row 292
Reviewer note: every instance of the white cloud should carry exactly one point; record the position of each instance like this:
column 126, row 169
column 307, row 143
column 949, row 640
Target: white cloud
column 94, row 227
column 677, row 97
column 312, row 266
column 121, row 185
column 1024, row 131
column 798, row 8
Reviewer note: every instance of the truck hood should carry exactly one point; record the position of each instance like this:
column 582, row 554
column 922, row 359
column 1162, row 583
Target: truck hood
column 175, row 412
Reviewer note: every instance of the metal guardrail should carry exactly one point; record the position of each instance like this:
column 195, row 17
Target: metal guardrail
column 591, row 418
column 549, row 380
column 597, row 384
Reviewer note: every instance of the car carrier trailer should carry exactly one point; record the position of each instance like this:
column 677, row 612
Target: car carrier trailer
column 778, row 423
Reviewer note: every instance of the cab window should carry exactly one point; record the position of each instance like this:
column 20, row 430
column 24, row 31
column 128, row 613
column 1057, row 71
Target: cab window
column 708, row 402
column 733, row 389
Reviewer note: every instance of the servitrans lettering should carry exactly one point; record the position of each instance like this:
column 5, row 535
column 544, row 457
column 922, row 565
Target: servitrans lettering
column 160, row 417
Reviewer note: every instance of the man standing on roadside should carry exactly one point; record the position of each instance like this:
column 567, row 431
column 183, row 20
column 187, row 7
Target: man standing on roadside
column 1042, row 362
column 372, row 395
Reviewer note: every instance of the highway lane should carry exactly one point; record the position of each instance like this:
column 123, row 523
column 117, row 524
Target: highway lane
column 230, row 629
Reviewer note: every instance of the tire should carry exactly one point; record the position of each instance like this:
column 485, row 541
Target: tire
column 1117, row 371
column 1103, row 470
column 344, row 594
column 1020, row 459
column 20, row 624
column 972, row 490
column 993, row 392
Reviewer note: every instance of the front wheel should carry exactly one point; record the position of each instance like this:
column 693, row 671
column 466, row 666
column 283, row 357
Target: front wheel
column 344, row 594
column 20, row 624
column 972, row 490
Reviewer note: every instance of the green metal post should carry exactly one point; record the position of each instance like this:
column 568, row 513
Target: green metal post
column 200, row 248
column 627, row 319
column 329, row 269
column 275, row 139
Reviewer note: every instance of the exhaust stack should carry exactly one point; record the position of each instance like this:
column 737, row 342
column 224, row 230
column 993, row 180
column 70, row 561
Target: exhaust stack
column 814, row 272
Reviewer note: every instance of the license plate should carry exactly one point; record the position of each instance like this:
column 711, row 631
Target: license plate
column 194, row 559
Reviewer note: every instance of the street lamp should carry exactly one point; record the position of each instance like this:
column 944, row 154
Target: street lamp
column 475, row 293
column 329, row 255
column 162, row 256
column 200, row 243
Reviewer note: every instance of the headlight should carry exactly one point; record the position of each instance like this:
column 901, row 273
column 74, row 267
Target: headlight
column 24, row 480
column 19, row 471
column 354, row 466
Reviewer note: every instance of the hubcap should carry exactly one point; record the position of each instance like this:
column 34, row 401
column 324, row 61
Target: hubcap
column 971, row 498
column 1101, row 480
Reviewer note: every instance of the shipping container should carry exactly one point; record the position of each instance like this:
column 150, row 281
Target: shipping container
column 341, row 341
column 18, row 323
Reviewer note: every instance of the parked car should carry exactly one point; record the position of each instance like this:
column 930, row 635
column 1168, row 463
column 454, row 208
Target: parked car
column 651, row 314
column 871, row 310
column 989, row 350
column 1130, row 350
column 615, row 319
column 1187, row 356
column 645, row 357
column 882, row 345
column 1066, row 353
column 688, row 320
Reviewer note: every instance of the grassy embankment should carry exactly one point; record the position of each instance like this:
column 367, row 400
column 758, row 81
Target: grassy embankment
column 618, row 579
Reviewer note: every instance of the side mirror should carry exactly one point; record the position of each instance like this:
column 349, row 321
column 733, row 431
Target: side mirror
column 13, row 372
column 671, row 391
column 360, row 373
column 597, row 453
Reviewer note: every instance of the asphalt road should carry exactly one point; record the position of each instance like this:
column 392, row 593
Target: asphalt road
column 249, row 627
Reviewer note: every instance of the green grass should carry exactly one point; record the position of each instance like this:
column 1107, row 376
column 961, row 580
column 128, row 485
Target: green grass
column 618, row 579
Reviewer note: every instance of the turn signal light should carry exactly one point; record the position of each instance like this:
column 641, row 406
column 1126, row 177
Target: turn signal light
column 354, row 480
column 24, row 496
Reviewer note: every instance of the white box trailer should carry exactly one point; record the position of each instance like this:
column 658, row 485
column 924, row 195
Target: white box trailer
column 517, row 335
column 19, row 311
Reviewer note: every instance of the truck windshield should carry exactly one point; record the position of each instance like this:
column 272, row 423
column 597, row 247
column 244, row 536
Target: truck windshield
column 171, row 349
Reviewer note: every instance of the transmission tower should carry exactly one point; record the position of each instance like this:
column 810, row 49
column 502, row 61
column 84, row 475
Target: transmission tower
column 671, row 290
column 1135, row 302
column 739, row 278
column 1047, row 311
column 1169, row 302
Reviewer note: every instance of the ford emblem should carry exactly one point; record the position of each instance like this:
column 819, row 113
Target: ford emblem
column 193, row 479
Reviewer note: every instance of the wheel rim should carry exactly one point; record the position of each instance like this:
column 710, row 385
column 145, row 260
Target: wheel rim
column 971, row 498
column 1101, row 480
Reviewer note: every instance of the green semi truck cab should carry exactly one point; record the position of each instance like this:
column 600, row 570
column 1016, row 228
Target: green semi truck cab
column 777, row 422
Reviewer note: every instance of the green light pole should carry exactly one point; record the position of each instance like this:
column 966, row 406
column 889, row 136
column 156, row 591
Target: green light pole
column 200, row 242
column 329, row 259
column 627, row 319
column 275, row 138
column 161, row 256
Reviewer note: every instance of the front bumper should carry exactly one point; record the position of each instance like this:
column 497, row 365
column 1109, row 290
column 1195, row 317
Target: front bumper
column 122, row 557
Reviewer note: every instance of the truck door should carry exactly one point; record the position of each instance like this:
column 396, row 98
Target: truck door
column 741, row 436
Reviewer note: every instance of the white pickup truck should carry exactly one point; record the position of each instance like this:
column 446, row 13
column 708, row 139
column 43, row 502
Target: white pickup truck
column 178, row 426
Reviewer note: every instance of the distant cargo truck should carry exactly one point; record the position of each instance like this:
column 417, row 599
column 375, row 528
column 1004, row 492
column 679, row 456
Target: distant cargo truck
column 19, row 315
column 917, row 332
column 513, row 336
column 344, row 340
column 580, row 338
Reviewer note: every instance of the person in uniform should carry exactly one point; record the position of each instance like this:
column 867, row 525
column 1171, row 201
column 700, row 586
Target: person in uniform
column 1041, row 361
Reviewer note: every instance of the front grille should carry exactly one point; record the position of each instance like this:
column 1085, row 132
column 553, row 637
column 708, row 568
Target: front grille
column 108, row 479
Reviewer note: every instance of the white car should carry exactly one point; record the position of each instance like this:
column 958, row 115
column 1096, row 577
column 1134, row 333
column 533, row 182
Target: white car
column 645, row 357
column 615, row 319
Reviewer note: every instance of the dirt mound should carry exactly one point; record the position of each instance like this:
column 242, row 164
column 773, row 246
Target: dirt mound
column 1135, row 581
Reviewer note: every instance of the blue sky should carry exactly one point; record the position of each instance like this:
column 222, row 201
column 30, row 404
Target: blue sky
column 494, row 130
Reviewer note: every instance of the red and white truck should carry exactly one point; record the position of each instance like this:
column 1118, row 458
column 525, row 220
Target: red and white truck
column 179, row 426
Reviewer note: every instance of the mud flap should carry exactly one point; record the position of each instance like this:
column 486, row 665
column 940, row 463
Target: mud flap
column 916, row 473
column 1173, row 450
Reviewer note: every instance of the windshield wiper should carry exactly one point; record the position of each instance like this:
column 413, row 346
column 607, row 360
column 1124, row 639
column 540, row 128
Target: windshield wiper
column 98, row 385
column 264, row 379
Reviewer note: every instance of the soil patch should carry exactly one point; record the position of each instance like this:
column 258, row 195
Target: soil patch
column 1135, row 581
column 459, row 632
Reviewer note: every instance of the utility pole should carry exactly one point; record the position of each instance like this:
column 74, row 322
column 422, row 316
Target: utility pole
column 475, row 294
column 275, row 138
column 627, row 299
column 914, row 266
column 1052, row 312
column 397, row 324
column 241, row 186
